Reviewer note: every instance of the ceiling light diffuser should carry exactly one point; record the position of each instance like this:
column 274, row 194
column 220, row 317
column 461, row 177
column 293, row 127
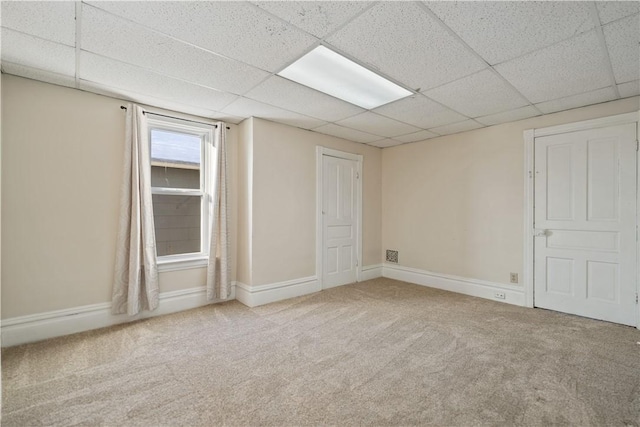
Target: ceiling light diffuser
column 327, row 71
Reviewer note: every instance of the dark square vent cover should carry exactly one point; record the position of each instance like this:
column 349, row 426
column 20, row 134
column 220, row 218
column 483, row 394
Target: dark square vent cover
column 392, row 256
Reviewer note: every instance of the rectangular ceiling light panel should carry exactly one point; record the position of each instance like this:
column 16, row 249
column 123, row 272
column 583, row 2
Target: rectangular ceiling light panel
column 326, row 71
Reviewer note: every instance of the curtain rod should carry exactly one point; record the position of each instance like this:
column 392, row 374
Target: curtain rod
column 171, row 117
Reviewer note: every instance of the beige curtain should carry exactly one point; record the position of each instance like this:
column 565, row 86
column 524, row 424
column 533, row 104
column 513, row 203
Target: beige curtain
column 135, row 286
column 218, row 269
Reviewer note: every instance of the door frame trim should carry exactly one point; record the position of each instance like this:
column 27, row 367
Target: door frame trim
column 358, row 158
column 529, row 136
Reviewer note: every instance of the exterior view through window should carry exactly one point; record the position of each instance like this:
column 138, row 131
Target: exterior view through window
column 180, row 153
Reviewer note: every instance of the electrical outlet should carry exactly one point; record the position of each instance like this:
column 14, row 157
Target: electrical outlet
column 499, row 295
column 513, row 277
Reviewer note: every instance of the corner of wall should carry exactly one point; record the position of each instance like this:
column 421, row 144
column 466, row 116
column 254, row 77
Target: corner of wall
column 245, row 201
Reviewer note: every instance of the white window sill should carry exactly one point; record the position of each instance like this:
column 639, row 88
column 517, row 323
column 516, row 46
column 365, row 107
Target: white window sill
column 186, row 263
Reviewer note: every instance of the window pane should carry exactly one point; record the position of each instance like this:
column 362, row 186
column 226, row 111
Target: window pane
column 175, row 159
column 177, row 222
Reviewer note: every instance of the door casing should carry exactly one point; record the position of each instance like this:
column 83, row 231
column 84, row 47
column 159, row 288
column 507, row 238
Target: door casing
column 320, row 152
column 529, row 142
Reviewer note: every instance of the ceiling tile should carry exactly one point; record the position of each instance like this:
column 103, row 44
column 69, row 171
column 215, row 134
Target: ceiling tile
column 575, row 101
column 128, row 95
column 315, row 17
column 244, row 107
column 417, row 136
column 346, row 133
column 477, row 95
column 500, row 31
column 509, row 116
column 567, row 68
column 238, row 30
column 613, row 10
column 622, row 38
column 54, row 21
column 420, row 111
column 385, row 143
column 37, row 74
column 110, row 36
column 629, row 89
column 377, row 125
column 124, row 76
column 293, row 96
column 34, row 52
column 457, row 127
column 401, row 40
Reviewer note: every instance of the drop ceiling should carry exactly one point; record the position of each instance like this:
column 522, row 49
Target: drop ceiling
column 469, row 65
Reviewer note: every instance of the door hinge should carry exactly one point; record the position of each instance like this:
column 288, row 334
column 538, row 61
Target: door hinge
column 636, row 297
column 357, row 175
column 637, row 145
column 358, row 264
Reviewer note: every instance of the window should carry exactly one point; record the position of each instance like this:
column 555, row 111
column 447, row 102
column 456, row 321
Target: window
column 182, row 158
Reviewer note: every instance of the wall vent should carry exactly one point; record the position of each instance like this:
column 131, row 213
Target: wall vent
column 392, row 256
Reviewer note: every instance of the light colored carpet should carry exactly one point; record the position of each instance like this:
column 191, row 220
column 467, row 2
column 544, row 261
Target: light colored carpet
column 380, row 352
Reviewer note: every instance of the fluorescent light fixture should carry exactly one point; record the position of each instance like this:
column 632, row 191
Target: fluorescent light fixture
column 324, row 70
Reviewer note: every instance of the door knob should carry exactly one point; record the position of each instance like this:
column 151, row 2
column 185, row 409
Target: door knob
column 538, row 232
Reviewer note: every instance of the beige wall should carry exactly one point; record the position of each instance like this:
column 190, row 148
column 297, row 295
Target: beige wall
column 451, row 204
column 62, row 158
column 61, row 163
column 284, row 201
column 244, row 195
column 455, row 204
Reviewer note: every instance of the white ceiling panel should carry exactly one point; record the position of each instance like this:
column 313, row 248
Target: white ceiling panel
column 614, row 10
column 111, row 36
column 420, row 111
column 128, row 95
column 238, row 30
column 34, row 52
column 490, row 95
column 315, row 17
column 377, row 125
column 401, row 40
column 385, row 143
column 622, row 38
column 245, row 107
column 54, row 21
column 457, row 127
column 500, row 31
column 347, row 133
column 417, row 136
column 574, row 101
column 36, row 74
column 286, row 94
column 629, row 89
column 567, row 68
column 509, row 116
column 217, row 59
column 120, row 75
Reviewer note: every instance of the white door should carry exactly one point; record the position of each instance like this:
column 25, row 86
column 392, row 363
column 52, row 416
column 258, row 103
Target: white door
column 339, row 216
column 585, row 226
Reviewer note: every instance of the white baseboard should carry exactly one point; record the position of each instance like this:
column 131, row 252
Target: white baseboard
column 371, row 272
column 253, row 296
column 36, row 327
column 462, row 285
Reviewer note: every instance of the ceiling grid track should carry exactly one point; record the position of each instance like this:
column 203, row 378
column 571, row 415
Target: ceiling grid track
column 148, row 28
column 603, row 47
column 78, row 40
column 477, row 55
column 141, row 52
column 322, row 42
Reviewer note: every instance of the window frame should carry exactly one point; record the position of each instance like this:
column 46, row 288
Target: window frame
column 208, row 155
